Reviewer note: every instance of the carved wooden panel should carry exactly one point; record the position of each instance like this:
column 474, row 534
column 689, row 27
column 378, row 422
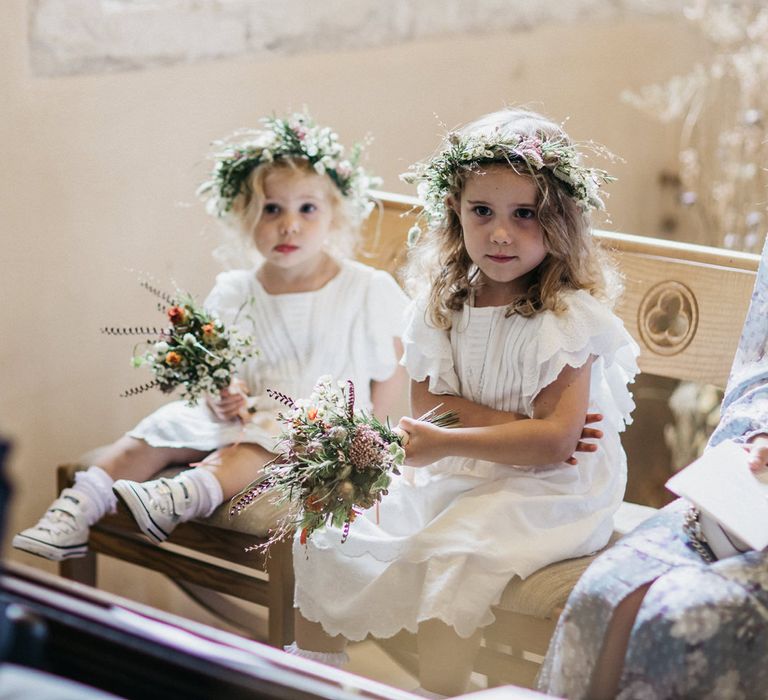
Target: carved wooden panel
column 686, row 316
column 668, row 317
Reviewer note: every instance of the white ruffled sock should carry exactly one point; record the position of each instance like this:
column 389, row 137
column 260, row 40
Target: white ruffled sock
column 96, row 484
column 205, row 492
column 338, row 659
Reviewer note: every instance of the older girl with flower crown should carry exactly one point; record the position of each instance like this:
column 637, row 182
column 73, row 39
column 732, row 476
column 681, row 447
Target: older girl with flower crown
column 515, row 333
column 310, row 309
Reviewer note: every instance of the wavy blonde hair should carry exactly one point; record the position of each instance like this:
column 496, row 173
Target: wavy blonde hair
column 574, row 259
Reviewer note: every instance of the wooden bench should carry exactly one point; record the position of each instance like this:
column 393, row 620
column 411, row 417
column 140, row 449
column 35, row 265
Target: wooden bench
column 684, row 304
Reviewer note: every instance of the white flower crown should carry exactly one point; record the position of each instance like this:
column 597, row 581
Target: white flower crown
column 438, row 176
column 296, row 136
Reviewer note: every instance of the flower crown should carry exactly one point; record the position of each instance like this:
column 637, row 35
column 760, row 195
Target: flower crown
column 437, row 177
column 296, row 136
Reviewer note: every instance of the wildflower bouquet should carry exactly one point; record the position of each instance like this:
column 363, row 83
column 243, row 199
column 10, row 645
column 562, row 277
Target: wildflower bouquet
column 195, row 351
column 334, row 462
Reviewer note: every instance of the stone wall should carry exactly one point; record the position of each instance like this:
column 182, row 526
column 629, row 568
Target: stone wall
column 93, row 36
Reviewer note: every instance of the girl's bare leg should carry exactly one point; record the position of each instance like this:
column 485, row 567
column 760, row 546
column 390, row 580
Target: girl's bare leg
column 606, row 675
column 445, row 659
column 131, row 458
column 237, row 466
column 312, row 637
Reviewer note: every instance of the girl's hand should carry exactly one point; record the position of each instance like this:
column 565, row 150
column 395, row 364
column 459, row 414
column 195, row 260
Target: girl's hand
column 587, row 434
column 758, row 453
column 424, row 442
column 228, row 405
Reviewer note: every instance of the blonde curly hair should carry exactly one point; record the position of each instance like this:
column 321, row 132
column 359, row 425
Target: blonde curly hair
column 574, row 259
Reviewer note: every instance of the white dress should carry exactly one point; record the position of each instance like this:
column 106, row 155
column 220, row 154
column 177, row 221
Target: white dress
column 448, row 538
column 345, row 329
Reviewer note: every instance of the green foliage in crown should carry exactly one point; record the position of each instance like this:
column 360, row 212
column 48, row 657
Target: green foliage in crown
column 296, row 136
column 437, row 177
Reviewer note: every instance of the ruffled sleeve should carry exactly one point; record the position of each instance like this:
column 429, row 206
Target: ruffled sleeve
column 586, row 328
column 427, row 351
column 230, row 293
column 385, row 313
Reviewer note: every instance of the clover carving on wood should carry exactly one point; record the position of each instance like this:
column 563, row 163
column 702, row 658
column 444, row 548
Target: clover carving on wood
column 668, row 317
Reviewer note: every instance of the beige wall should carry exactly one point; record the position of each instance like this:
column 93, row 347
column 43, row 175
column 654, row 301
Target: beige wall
column 98, row 174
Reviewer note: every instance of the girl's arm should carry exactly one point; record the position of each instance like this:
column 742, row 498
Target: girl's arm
column 471, row 414
column 387, row 396
column 550, row 436
column 475, row 415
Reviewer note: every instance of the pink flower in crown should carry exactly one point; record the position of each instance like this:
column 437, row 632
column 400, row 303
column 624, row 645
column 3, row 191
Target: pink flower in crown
column 530, row 151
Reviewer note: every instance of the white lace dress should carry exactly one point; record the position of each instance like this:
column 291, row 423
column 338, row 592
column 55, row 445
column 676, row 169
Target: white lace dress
column 448, row 538
column 345, row 329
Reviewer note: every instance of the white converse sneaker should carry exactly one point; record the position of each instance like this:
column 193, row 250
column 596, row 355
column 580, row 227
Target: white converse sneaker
column 156, row 506
column 62, row 533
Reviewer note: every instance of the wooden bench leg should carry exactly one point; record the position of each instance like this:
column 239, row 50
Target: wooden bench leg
column 281, row 584
column 81, row 569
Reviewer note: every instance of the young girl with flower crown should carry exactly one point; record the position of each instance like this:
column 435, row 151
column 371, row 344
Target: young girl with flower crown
column 310, row 309
column 515, row 333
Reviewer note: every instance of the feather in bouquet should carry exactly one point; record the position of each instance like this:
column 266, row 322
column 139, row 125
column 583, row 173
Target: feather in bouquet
column 195, row 351
column 334, row 462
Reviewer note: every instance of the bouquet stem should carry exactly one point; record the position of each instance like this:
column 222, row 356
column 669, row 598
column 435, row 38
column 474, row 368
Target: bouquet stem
column 446, row 419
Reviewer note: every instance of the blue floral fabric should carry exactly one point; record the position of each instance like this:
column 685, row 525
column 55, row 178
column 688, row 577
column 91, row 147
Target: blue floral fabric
column 702, row 629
